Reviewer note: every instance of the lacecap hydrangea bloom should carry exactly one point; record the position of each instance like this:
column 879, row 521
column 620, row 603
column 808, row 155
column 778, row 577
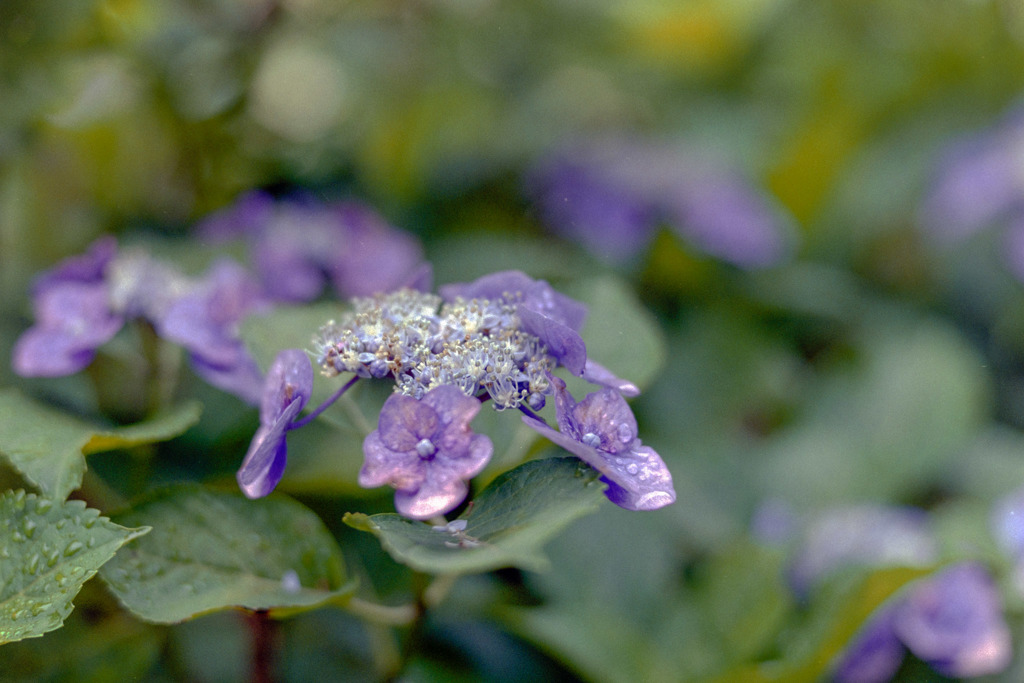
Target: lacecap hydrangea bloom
column 495, row 340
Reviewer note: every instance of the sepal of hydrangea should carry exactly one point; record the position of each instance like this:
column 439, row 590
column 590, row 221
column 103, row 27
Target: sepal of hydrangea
column 595, row 373
column 607, row 217
column 90, row 267
column 286, row 391
column 426, row 451
column 610, row 194
column 73, row 316
column 380, row 258
column 875, row 653
column 206, row 323
column 976, row 183
column 953, row 620
column 72, row 321
column 602, row 431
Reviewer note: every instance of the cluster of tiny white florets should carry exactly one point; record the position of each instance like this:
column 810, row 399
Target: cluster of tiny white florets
column 475, row 345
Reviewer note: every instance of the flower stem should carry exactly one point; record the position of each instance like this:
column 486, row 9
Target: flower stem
column 263, row 637
column 324, row 406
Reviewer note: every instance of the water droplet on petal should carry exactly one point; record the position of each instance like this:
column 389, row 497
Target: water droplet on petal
column 625, row 433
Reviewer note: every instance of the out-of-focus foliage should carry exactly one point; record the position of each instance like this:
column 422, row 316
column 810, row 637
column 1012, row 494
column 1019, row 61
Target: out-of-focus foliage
column 875, row 365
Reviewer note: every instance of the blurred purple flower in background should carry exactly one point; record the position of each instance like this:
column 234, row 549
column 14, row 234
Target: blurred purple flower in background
column 978, row 182
column 612, row 195
column 287, row 389
column 73, row 315
column 1007, row 522
column 952, row 620
column 425, row 450
column 299, row 245
column 867, row 535
column 205, row 321
column 601, row 431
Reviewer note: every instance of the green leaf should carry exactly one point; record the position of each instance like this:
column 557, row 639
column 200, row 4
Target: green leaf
column 621, row 334
column 916, row 397
column 213, row 550
column 99, row 642
column 48, row 447
column 506, row 525
column 48, row 549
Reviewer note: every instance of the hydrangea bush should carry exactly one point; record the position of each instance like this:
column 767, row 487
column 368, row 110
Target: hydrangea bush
column 500, row 341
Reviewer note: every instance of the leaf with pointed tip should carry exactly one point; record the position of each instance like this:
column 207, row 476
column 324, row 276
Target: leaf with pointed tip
column 506, row 525
column 48, row 447
column 48, row 550
column 212, row 550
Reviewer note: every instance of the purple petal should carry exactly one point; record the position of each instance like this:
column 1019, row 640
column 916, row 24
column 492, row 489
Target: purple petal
column 637, row 479
column 562, row 342
column 249, row 214
column 537, row 295
column 382, row 465
column 603, row 215
column 289, row 383
column 603, row 417
column 953, row 620
column 265, row 461
column 379, row 258
column 73, row 320
column 455, row 411
column 977, row 183
column 874, row 655
column 723, row 216
column 404, row 421
column 649, row 484
column 89, row 267
column 425, row 450
column 598, row 374
column 435, row 496
column 241, row 377
column 46, row 352
column 291, row 268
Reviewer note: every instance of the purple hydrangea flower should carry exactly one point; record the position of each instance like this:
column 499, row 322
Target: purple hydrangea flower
column 73, row 315
column 978, row 182
column 378, row 258
column 952, row 620
column 425, row 450
column 286, row 391
column 865, row 535
column 299, row 245
column 602, row 431
column 612, row 195
column 206, row 322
